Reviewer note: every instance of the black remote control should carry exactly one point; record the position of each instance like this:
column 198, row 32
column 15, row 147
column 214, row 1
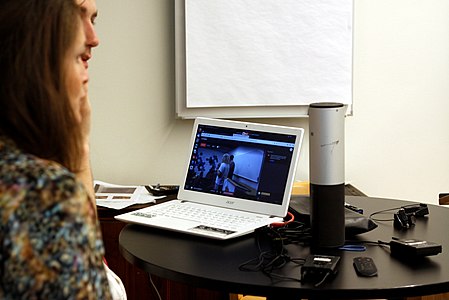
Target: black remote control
column 365, row 266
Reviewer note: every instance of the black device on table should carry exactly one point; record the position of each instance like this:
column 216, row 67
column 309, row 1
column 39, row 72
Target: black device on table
column 162, row 190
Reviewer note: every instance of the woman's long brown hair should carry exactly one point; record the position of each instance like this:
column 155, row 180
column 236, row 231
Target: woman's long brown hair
column 35, row 111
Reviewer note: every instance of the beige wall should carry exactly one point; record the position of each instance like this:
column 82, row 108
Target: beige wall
column 397, row 141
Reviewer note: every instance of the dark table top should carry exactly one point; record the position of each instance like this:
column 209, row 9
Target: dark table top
column 215, row 264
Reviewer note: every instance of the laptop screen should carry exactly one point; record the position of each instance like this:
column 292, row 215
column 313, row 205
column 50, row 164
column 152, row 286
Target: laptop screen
column 241, row 163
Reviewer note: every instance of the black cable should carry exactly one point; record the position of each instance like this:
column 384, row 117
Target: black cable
column 374, row 243
column 277, row 257
column 383, row 212
column 322, row 280
column 268, row 261
column 382, row 243
column 387, row 211
column 295, row 233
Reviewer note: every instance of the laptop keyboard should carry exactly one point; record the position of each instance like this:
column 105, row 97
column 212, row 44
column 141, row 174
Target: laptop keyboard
column 232, row 220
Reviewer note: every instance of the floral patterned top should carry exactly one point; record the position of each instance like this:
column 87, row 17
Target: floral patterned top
column 50, row 240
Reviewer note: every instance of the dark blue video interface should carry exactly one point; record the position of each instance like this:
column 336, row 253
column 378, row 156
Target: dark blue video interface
column 240, row 163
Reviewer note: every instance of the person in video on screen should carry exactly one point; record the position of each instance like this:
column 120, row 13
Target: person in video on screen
column 51, row 240
column 231, row 166
column 222, row 173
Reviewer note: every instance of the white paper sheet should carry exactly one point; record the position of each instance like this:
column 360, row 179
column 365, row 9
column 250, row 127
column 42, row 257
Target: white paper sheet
column 268, row 52
column 121, row 196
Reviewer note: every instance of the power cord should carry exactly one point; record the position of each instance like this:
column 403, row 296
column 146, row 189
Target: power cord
column 385, row 211
column 323, row 280
column 294, row 233
column 414, row 209
column 275, row 256
column 154, row 287
column 273, row 259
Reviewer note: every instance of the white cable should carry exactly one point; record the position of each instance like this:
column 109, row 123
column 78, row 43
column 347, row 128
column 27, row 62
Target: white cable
column 154, row 287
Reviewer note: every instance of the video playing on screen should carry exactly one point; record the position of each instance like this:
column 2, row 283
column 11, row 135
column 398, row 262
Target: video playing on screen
column 240, row 163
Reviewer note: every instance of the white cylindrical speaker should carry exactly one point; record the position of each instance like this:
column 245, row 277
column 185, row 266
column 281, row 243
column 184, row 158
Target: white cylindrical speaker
column 327, row 174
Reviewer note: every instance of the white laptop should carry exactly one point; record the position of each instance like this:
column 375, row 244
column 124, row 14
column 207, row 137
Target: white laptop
column 230, row 200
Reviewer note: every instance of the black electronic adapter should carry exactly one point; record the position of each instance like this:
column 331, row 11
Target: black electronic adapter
column 417, row 210
column 413, row 248
column 319, row 266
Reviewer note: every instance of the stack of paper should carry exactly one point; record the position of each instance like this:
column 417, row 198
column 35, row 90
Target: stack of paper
column 121, row 196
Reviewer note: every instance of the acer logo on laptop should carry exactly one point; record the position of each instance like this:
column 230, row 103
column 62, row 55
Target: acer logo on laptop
column 229, row 202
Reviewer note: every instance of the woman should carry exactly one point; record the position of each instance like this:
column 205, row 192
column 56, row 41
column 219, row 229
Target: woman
column 51, row 246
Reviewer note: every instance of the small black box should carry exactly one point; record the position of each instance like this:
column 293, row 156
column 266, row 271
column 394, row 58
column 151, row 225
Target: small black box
column 317, row 266
column 414, row 248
